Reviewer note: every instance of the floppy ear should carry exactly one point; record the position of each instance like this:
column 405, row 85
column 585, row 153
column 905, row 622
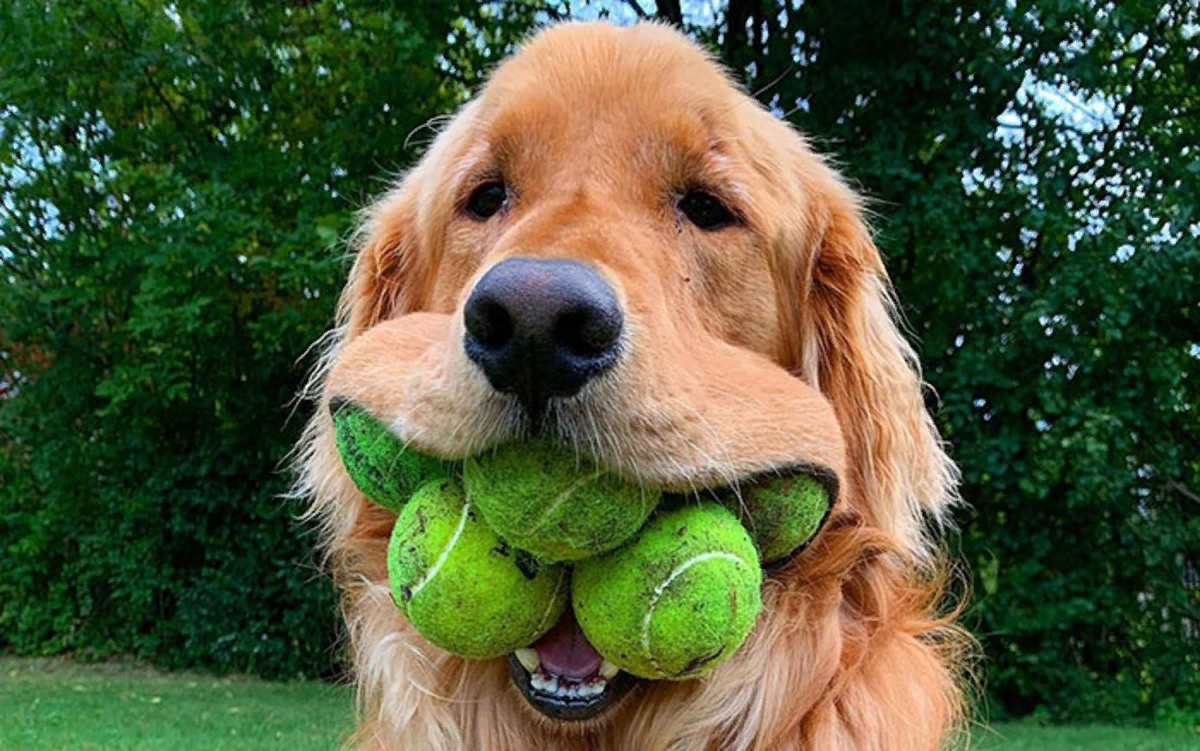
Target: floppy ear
column 847, row 343
column 392, row 270
column 386, row 279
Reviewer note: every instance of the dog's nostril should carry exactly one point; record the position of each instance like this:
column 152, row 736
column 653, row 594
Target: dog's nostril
column 588, row 333
column 490, row 324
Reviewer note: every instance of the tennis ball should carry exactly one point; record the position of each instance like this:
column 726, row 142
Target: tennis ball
column 676, row 601
column 782, row 513
column 553, row 503
column 462, row 587
column 381, row 466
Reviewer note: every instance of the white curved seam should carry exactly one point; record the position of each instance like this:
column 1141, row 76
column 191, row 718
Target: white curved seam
column 550, row 605
column 432, row 571
column 563, row 496
column 662, row 587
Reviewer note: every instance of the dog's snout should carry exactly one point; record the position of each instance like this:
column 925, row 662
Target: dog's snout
column 542, row 327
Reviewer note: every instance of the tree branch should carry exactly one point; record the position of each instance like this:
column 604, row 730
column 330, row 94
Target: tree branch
column 637, row 8
column 127, row 42
column 671, row 11
column 1182, row 490
column 736, row 15
column 546, row 8
column 775, row 81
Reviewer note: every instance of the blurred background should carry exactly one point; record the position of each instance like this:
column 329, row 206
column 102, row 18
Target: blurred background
column 177, row 180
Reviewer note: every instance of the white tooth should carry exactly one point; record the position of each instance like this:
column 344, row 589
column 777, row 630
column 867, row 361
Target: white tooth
column 528, row 658
column 539, row 682
column 608, row 670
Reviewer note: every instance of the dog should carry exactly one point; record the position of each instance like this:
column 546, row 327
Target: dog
column 614, row 246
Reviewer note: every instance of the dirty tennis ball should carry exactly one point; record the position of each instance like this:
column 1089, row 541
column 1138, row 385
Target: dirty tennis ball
column 676, row 601
column 782, row 513
column 546, row 499
column 381, row 466
column 463, row 588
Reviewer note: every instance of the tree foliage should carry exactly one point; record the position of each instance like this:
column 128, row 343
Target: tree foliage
column 177, row 179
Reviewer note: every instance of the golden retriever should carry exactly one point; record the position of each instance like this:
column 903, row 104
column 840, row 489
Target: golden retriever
column 614, row 246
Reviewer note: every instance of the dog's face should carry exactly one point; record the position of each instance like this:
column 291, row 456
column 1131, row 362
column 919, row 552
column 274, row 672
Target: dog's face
column 614, row 247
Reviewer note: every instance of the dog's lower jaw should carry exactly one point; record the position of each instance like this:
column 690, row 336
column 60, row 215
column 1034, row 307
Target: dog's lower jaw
column 584, row 709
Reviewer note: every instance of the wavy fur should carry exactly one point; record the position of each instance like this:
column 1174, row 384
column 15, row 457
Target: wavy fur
column 854, row 649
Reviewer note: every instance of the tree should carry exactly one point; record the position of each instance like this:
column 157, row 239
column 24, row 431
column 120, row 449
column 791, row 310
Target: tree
column 176, row 180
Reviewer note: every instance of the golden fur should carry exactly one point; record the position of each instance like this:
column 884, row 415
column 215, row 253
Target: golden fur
column 765, row 343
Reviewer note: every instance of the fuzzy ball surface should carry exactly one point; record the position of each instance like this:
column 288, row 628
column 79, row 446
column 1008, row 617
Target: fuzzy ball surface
column 545, row 499
column 381, row 466
column 675, row 602
column 462, row 587
column 782, row 513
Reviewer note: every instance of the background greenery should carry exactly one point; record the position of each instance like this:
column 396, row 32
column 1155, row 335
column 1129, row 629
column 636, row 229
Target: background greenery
column 176, row 180
column 51, row 704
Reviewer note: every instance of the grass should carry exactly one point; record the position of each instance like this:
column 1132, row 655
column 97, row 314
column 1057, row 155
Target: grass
column 1016, row 737
column 47, row 705
column 56, row 704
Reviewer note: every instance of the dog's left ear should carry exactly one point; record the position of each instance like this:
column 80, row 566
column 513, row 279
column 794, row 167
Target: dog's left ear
column 845, row 341
column 386, row 278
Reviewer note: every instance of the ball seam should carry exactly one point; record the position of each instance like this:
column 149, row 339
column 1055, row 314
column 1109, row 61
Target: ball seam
column 549, row 607
column 562, row 498
column 662, row 587
column 441, row 560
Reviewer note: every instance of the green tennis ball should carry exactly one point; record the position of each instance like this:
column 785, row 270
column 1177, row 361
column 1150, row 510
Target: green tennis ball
column 676, row 601
column 783, row 513
column 560, row 506
column 462, row 587
column 381, row 466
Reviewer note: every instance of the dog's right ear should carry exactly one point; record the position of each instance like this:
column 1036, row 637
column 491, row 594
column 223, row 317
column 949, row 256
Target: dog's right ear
column 387, row 278
column 396, row 251
column 392, row 272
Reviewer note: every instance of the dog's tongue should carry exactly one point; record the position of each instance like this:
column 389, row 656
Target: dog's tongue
column 566, row 651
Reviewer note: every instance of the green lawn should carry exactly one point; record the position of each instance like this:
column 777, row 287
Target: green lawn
column 1032, row 738
column 48, row 705
column 52, row 704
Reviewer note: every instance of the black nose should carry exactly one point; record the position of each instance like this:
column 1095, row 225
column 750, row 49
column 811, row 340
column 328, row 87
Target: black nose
column 540, row 328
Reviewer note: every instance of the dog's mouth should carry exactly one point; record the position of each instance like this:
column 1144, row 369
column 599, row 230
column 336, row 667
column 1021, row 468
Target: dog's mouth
column 564, row 677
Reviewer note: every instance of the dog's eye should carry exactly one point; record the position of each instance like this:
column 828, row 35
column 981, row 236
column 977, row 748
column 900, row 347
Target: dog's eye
column 487, row 199
column 705, row 210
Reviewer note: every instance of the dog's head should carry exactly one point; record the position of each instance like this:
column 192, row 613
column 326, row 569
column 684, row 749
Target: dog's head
column 613, row 246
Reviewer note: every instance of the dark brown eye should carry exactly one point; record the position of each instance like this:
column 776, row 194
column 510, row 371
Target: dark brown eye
column 487, row 199
column 706, row 211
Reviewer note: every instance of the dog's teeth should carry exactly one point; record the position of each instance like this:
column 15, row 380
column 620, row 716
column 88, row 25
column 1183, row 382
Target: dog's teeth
column 591, row 689
column 529, row 659
column 566, row 688
column 608, row 670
